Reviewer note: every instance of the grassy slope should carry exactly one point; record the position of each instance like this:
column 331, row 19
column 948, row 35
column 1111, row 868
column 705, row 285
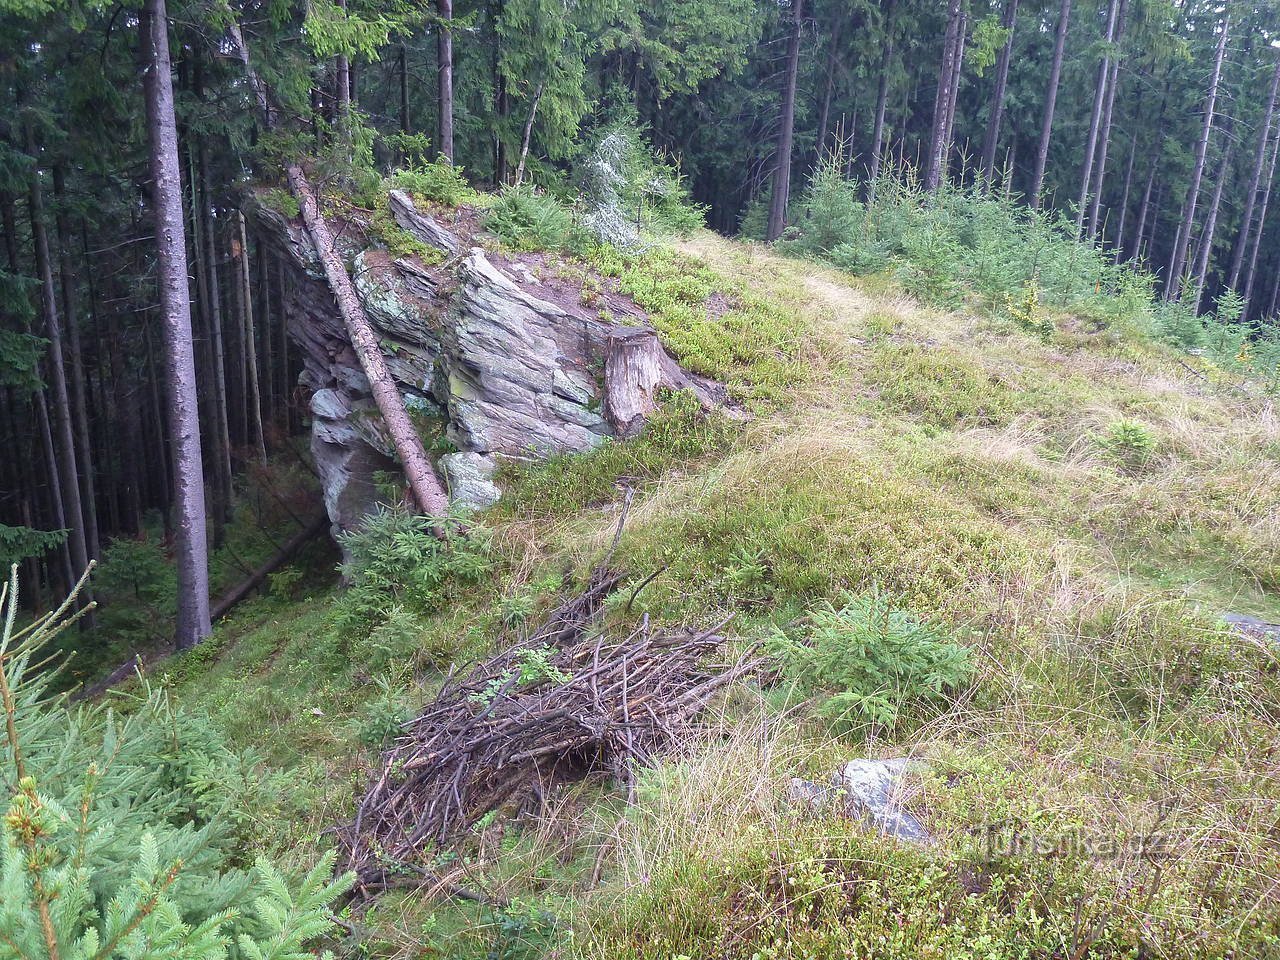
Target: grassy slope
column 951, row 460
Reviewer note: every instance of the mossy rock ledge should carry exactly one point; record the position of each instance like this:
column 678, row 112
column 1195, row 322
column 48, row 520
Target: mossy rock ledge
column 478, row 344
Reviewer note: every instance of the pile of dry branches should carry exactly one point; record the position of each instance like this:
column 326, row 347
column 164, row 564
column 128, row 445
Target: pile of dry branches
column 560, row 705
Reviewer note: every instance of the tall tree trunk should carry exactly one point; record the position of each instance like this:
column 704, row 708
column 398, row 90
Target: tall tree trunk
column 404, row 91
column 180, row 367
column 268, row 314
column 419, row 473
column 444, row 58
column 1104, row 135
column 1095, row 116
column 882, row 93
column 1124, row 198
column 1183, row 239
column 1251, row 273
column 953, row 96
column 75, row 358
column 1255, row 181
column 782, row 170
column 1050, row 101
column 527, row 138
column 254, row 397
column 211, row 293
column 63, row 431
column 1205, row 253
column 833, row 59
column 942, row 100
column 342, row 90
column 991, row 138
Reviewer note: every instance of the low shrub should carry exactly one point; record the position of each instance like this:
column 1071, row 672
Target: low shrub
column 397, row 562
column 867, row 661
column 527, row 219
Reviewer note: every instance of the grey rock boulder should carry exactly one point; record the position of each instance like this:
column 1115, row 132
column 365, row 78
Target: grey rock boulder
column 868, row 789
column 469, row 476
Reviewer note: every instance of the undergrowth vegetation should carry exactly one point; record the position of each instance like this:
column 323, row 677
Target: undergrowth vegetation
column 988, row 528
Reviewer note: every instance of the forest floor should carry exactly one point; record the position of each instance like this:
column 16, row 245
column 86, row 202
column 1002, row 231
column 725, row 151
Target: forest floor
column 1077, row 510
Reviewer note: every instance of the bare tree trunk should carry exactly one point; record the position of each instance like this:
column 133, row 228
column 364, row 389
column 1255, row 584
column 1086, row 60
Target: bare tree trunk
column 1095, row 117
column 882, row 94
column 419, row 473
column 991, row 138
column 180, row 367
column 1104, row 136
column 342, row 91
column 1124, row 197
column 1050, row 101
column 1183, row 239
column 528, row 135
column 251, row 367
column 1255, row 181
column 833, row 58
column 942, row 101
column 63, row 431
column 1251, row 273
column 268, row 351
column 404, row 91
column 782, row 170
column 211, row 303
column 75, row 357
column 444, row 56
column 953, row 97
column 1205, row 252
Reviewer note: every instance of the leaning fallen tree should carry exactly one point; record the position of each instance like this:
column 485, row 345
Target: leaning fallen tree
column 565, row 703
column 419, row 473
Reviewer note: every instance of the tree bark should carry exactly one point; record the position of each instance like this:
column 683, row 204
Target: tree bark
column 1095, row 116
column 282, row 556
column 1050, row 101
column 1104, row 136
column 63, row 431
column 1124, row 198
column 1251, row 274
column 942, row 101
column 953, row 96
column 1183, row 239
column 180, row 369
column 1205, row 253
column 833, row 58
column 419, row 473
column 444, row 57
column 75, row 358
column 991, row 138
column 782, row 170
column 527, row 138
column 1255, row 182
column 251, row 366
column 882, row 95
column 211, row 303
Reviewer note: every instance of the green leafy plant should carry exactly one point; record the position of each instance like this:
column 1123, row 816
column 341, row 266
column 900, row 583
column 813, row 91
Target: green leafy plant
column 1128, row 444
column 434, row 182
column 869, row 662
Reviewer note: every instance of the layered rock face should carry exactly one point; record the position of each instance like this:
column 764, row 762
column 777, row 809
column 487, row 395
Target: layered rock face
column 506, row 363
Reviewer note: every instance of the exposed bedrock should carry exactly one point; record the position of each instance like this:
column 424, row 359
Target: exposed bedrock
column 483, row 352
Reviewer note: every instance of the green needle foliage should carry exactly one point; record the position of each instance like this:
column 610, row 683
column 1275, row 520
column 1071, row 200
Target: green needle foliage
column 106, row 849
column 869, row 662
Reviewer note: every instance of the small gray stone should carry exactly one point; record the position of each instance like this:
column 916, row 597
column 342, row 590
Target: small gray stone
column 873, row 789
column 470, row 479
column 1252, row 628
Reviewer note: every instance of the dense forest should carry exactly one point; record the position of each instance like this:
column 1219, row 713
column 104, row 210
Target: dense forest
column 278, row 270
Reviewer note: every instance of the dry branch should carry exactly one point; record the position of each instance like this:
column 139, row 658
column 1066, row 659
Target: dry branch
column 562, row 704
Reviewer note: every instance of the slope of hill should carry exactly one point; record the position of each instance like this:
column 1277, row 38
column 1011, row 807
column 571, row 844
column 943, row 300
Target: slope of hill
column 1075, row 510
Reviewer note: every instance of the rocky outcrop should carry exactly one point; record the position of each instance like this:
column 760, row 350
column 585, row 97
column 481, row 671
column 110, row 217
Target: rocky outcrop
column 484, row 353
